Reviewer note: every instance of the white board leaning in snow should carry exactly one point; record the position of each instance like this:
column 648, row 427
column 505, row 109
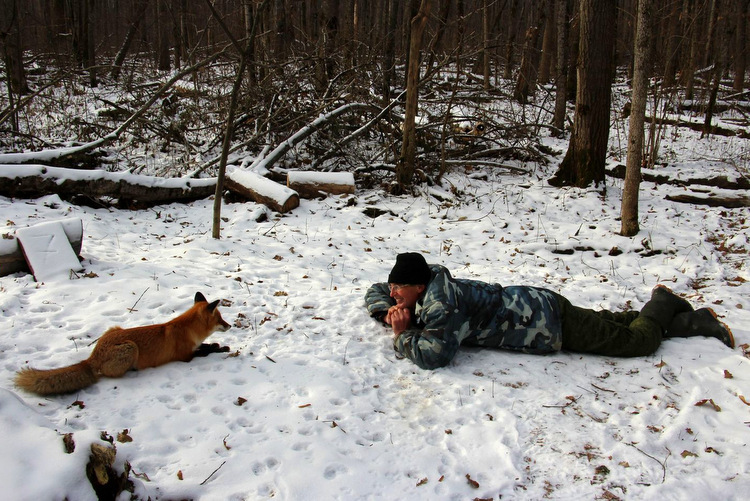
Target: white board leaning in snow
column 48, row 250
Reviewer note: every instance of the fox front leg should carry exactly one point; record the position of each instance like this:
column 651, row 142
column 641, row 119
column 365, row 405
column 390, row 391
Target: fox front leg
column 206, row 349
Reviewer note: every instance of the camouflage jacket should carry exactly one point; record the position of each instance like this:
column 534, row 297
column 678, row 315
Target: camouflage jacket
column 454, row 311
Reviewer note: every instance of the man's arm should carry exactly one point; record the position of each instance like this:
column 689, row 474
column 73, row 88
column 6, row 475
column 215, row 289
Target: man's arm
column 436, row 344
column 378, row 301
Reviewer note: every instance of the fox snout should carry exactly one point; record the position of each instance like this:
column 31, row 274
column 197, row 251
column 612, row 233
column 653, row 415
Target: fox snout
column 221, row 326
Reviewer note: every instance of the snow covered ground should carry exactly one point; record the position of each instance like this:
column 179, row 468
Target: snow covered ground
column 312, row 402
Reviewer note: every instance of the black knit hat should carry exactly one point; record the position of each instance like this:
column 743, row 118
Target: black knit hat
column 410, row 268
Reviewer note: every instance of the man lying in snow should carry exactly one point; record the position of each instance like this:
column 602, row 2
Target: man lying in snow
column 432, row 314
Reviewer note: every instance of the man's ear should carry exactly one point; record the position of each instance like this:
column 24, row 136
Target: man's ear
column 421, row 288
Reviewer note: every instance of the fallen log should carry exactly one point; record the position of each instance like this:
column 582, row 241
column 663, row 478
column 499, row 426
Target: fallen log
column 130, row 190
column 737, row 183
column 253, row 186
column 712, row 201
column 12, row 259
column 319, row 184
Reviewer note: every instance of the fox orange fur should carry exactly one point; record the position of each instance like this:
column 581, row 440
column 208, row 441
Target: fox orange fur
column 120, row 350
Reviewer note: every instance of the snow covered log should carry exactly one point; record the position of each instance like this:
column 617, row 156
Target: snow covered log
column 12, row 259
column 316, row 184
column 252, row 185
column 32, row 181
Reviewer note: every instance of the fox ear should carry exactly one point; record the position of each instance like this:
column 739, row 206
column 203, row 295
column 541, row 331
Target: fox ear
column 200, row 298
column 212, row 306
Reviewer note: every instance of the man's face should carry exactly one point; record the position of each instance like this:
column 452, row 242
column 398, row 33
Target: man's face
column 406, row 296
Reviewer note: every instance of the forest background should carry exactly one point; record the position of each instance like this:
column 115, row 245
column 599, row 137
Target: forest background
column 176, row 88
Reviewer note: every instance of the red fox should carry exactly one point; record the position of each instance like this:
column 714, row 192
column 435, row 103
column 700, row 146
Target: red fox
column 120, row 350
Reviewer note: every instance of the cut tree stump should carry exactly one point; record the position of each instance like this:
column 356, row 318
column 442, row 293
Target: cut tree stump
column 310, row 184
column 12, row 259
column 255, row 187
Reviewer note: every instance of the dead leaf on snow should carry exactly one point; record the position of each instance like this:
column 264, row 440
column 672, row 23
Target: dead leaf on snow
column 709, row 401
column 124, row 436
column 687, row 453
column 472, row 482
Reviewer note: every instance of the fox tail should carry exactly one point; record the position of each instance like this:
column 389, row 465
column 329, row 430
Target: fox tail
column 55, row 381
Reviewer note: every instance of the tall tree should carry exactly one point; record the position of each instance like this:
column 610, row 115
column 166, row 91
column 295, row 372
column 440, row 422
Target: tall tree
column 585, row 159
column 562, row 15
column 510, row 45
column 10, row 37
column 406, row 164
column 644, row 32
column 140, row 10
column 529, row 71
column 163, row 61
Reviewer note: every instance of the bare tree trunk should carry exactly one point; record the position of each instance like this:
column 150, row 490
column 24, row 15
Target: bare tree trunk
column 486, row 45
column 510, row 46
column 688, row 69
column 406, row 164
column 127, row 42
column 244, row 53
column 644, row 32
column 528, row 74
column 162, row 35
column 10, row 36
column 585, row 159
column 713, row 19
column 740, row 58
column 562, row 14
column 445, row 10
column 671, row 50
column 548, row 43
column 389, row 52
column 720, row 66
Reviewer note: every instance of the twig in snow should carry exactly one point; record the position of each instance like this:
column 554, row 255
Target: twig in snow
column 212, row 473
column 663, row 464
column 132, row 308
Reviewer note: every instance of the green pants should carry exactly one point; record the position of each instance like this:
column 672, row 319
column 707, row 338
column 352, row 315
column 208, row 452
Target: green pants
column 621, row 334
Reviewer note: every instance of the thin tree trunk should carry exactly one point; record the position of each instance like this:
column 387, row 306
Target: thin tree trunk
column 528, row 74
column 486, row 45
column 510, row 46
column 389, row 52
column 127, row 42
column 406, row 164
column 644, row 32
column 163, row 62
column 229, row 131
column 548, row 44
column 740, row 58
column 561, row 75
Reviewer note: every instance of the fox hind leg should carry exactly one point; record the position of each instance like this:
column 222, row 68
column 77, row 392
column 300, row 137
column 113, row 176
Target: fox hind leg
column 120, row 359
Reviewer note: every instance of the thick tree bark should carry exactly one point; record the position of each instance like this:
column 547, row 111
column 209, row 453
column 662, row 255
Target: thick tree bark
column 585, row 159
column 629, row 211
